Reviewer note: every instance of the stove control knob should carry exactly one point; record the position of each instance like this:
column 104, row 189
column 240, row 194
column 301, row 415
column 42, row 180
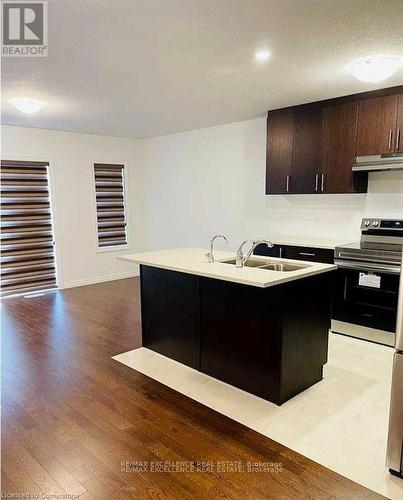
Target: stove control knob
column 375, row 223
column 366, row 223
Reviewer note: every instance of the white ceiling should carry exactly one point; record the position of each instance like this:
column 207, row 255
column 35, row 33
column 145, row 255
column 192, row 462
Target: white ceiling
column 141, row 68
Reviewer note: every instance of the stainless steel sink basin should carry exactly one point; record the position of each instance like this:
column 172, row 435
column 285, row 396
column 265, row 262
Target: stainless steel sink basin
column 277, row 266
column 249, row 263
column 269, row 266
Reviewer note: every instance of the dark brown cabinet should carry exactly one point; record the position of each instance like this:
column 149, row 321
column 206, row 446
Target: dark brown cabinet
column 271, row 342
column 170, row 314
column 263, row 249
column 279, row 153
column 312, row 254
column 399, row 125
column 376, row 125
column 339, row 144
column 311, row 148
column 307, row 151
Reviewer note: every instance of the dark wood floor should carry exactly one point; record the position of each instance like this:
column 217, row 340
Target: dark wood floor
column 71, row 415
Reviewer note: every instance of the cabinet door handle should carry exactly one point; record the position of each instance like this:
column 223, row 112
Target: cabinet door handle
column 316, row 182
column 281, row 252
column 307, row 254
column 398, row 139
column 287, row 183
column 390, row 139
column 322, row 183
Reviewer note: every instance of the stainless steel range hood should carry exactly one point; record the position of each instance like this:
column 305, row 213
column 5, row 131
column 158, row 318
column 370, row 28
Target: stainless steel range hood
column 378, row 163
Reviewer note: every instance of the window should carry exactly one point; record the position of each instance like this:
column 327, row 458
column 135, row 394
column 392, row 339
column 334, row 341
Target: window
column 110, row 199
column 27, row 244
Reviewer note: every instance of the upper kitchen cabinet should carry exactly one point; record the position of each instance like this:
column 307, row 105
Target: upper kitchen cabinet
column 294, row 151
column 399, row 126
column 279, row 153
column 339, row 145
column 307, row 150
column 377, row 125
column 311, row 148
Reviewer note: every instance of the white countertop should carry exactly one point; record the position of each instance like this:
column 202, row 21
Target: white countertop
column 194, row 261
column 307, row 241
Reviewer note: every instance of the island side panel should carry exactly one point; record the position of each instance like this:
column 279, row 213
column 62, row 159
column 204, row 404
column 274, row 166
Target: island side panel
column 170, row 314
column 305, row 333
column 240, row 335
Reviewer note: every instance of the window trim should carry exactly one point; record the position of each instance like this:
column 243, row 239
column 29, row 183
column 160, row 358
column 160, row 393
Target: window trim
column 126, row 204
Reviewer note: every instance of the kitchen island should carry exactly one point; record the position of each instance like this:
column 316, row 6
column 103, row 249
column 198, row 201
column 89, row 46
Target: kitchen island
column 262, row 328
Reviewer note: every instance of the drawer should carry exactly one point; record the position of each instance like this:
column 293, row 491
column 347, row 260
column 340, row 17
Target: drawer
column 263, row 249
column 324, row 255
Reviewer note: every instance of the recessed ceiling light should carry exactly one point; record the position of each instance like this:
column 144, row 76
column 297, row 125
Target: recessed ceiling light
column 374, row 68
column 27, row 104
column 262, row 55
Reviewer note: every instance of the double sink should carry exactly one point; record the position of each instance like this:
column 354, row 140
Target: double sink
column 269, row 265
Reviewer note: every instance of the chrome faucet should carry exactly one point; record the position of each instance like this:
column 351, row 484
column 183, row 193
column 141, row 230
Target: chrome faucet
column 210, row 253
column 241, row 258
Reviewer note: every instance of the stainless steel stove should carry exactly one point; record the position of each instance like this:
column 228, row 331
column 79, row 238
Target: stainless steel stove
column 367, row 282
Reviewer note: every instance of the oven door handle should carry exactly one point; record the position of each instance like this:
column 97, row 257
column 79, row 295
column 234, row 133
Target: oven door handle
column 361, row 266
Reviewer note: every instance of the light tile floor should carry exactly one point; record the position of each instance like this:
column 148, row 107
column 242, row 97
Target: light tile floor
column 340, row 422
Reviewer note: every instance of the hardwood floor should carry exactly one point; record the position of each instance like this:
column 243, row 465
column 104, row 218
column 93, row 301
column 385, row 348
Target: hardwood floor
column 72, row 417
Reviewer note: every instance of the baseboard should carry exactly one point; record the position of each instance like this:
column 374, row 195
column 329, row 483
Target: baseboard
column 99, row 279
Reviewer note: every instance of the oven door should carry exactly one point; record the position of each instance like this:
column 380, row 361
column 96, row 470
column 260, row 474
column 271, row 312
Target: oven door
column 366, row 294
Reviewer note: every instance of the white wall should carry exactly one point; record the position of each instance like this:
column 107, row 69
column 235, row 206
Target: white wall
column 182, row 189
column 198, row 183
column 72, row 156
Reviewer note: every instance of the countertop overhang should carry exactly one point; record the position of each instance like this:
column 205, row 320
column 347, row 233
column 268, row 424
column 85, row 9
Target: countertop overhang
column 194, row 261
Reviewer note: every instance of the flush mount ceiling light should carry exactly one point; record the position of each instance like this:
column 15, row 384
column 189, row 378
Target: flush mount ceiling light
column 262, row 55
column 27, row 104
column 374, row 68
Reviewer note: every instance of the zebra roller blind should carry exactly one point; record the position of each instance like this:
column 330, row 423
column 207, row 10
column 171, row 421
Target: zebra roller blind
column 27, row 246
column 111, row 213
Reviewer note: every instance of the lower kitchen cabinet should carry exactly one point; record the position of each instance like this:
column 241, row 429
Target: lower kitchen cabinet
column 170, row 314
column 263, row 249
column 324, row 255
column 232, row 346
column 271, row 342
